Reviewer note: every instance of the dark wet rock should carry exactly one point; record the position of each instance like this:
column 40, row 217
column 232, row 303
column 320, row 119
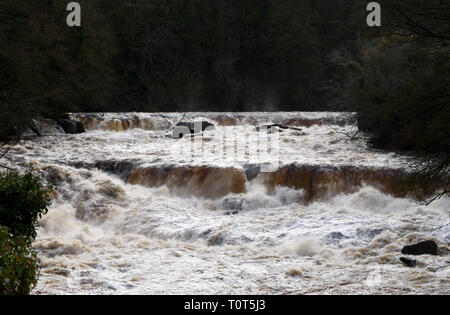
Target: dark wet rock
column 252, row 171
column 207, row 232
column 423, row 248
column 191, row 128
column 411, row 263
column 196, row 126
column 276, row 127
column 294, row 273
column 235, row 204
column 341, row 120
column 44, row 127
column 71, row 126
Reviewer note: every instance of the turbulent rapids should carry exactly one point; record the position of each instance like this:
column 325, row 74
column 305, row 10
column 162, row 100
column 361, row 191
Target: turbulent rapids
column 135, row 211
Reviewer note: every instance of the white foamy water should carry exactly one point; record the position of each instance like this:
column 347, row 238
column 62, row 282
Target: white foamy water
column 131, row 216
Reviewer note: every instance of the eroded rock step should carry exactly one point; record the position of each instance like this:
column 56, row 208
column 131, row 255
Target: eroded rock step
column 318, row 182
column 123, row 122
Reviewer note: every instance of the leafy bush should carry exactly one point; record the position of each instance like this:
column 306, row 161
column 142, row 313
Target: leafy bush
column 18, row 265
column 23, row 200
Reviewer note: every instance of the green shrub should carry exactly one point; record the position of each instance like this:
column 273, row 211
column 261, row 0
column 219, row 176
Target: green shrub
column 23, row 201
column 18, row 265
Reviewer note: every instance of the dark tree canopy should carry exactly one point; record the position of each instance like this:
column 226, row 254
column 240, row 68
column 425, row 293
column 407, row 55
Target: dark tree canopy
column 167, row 55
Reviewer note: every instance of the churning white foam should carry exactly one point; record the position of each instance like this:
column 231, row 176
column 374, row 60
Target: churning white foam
column 104, row 236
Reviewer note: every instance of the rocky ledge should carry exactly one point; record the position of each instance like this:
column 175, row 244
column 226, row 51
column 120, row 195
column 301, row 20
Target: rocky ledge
column 48, row 127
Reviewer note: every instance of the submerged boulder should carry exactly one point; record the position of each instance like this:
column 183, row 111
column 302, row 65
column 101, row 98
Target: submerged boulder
column 252, row 171
column 409, row 262
column 423, row 248
column 235, row 204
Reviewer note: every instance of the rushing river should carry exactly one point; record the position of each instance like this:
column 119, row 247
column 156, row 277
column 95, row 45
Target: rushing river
column 137, row 212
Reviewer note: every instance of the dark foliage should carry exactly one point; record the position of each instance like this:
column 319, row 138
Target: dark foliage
column 23, row 200
column 402, row 94
column 19, row 267
column 403, row 98
column 160, row 55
